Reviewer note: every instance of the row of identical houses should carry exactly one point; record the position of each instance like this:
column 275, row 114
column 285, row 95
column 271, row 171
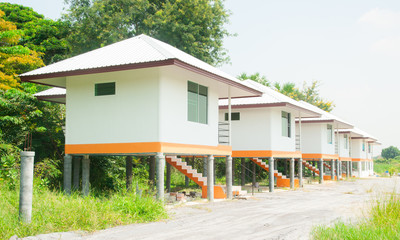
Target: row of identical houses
column 142, row 97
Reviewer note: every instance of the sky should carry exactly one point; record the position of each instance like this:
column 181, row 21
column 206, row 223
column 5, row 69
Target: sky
column 351, row 47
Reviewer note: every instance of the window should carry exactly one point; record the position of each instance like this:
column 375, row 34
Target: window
column 329, row 133
column 101, row 89
column 286, row 125
column 234, row 116
column 197, row 103
column 369, row 148
column 346, row 141
column 363, row 146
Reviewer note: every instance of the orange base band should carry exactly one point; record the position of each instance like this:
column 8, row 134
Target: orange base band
column 147, row 147
column 267, row 153
column 320, row 155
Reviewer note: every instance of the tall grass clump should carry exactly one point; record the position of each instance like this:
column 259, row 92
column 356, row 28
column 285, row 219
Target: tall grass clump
column 55, row 212
column 382, row 221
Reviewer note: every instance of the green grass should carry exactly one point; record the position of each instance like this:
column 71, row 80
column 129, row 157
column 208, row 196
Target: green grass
column 55, row 212
column 382, row 222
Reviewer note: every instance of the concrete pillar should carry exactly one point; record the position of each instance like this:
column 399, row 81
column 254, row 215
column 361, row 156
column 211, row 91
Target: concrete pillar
column 85, row 175
column 210, row 178
column 129, row 175
column 152, row 170
column 186, row 178
column 321, row 170
column 67, row 173
column 168, row 180
column 300, row 170
column 205, row 167
column 338, row 169
column 26, row 186
column 271, row 174
column 233, row 171
column 291, row 173
column 347, row 169
column 351, row 169
column 243, row 179
column 229, row 177
column 160, row 166
column 77, row 172
column 332, row 169
column 359, row 168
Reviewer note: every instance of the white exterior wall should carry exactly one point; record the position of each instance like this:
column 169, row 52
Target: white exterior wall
column 131, row 115
column 174, row 124
column 356, row 149
column 150, row 105
column 343, row 151
column 314, row 139
column 260, row 129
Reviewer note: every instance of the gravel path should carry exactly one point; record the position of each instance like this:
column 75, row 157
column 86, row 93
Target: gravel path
column 280, row 215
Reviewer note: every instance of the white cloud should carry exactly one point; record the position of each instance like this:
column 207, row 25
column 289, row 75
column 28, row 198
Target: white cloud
column 381, row 18
column 388, row 46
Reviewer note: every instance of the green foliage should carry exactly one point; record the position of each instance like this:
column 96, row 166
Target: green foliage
column 309, row 93
column 14, row 59
column 382, row 222
column 390, row 152
column 257, row 77
column 55, row 212
column 194, row 26
column 21, row 113
column 41, row 35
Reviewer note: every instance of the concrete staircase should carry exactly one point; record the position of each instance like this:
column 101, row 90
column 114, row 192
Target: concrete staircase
column 311, row 167
column 281, row 180
column 187, row 170
column 316, row 170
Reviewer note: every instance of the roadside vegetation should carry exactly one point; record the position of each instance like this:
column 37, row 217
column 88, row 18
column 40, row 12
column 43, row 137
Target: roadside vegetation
column 382, row 221
column 53, row 211
column 389, row 163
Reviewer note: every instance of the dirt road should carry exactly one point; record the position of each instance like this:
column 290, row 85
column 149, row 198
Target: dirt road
column 280, row 215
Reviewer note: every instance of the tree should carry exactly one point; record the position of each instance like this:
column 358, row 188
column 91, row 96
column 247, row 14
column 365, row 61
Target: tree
column 257, row 77
column 14, row 58
column 194, row 26
column 390, row 152
column 45, row 36
column 21, row 113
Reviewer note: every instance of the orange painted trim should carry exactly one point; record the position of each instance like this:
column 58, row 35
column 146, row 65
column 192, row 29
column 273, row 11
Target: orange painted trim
column 147, row 147
column 346, row 159
column 320, row 155
column 266, row 153
column 361, row 160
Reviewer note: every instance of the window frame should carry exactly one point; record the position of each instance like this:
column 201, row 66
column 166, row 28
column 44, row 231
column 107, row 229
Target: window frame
column 329, row 131
column 200, row 93
column 287, row 116
column 97, row 90
column 237, row 118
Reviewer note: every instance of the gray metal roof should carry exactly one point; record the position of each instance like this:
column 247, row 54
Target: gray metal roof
column 324, row 116
column 269, row 97
column 55, row 91
column 135, row 50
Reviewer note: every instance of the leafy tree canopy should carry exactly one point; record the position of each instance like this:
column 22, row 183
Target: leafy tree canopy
column 44, row 36
column 390, row 152
column 308, row 93
column 194, row 26
column 257, row 77
column 14, row 58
